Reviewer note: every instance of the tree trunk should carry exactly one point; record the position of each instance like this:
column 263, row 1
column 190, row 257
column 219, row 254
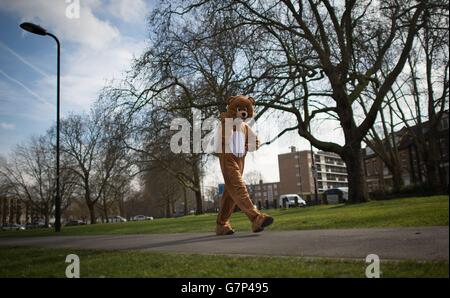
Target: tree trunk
column 11, row 211
column 105, row 211
column 397, row 179
column 185, row 201
column 5, row 211
column 357, row 190
column 433, row 156
column 92, row 213
column 18, row 211
column 168, row 209
column 198, row 193
column 121, row 207
column 46, row 214
column 27, row 212
column 172, row 206
column 199, row 202
column 380, row 168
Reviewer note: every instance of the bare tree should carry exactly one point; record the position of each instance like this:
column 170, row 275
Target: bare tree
column 384, row 142
column 31, row 171
column 176, row 73
column 185, row 169
column 421, row 94
column 115, row 193
column 312, row 59
column 94, row 145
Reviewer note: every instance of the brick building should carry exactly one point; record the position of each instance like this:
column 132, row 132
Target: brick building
column 296, row 175
column 378, row 176
column 265, row 195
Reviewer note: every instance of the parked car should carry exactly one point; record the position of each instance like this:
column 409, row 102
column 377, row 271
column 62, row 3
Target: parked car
column 142, row 217
column 75, row 223
column 43, row 225
column 117, row 218
column 31, row 225
column 37, row 225
column 336, row 195
column 291, row 200
column 13, row 227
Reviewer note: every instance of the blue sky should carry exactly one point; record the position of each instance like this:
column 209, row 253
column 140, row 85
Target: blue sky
column 96, row 48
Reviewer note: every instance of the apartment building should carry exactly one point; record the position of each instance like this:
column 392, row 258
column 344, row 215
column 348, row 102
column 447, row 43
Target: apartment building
column 296, row 174
column 265, row 195
column 378, row 176
column 331, row 171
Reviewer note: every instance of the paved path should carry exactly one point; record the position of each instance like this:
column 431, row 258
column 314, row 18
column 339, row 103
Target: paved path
column 426, row 243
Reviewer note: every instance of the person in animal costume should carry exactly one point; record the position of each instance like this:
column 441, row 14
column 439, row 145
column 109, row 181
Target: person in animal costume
column 237, row 139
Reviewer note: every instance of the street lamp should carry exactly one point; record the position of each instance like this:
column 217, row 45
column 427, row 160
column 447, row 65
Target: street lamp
column 36, row 29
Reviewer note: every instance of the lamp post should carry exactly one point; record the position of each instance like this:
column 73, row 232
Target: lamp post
column 36, row 29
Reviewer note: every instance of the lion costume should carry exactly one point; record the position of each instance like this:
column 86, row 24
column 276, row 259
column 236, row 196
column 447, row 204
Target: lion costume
column 237, row 139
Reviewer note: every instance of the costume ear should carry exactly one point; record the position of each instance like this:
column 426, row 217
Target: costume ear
column 252, row 100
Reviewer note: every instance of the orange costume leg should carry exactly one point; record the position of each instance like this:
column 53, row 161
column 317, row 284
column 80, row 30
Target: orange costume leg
column 235, row 193
column 226, row 208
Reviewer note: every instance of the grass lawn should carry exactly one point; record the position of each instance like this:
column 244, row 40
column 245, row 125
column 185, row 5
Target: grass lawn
column 405, row 212
column 39, row 262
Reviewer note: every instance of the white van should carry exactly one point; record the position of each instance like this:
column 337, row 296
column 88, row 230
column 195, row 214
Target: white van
column 290, row 200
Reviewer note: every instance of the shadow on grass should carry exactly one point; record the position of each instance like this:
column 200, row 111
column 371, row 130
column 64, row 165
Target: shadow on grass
column 207, row 238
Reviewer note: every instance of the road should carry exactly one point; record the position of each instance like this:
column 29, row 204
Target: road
column 424, row 243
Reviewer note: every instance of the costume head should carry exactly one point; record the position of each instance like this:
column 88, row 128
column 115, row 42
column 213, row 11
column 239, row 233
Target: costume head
column 240, row 106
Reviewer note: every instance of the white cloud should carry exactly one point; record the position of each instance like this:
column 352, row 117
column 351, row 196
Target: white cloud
column 101, row 53
column 93, row 53
column 4, row 125
column 87, row 30
column 131, row 11
column 87, row 71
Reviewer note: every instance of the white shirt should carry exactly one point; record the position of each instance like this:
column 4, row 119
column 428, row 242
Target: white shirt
column 237, row 143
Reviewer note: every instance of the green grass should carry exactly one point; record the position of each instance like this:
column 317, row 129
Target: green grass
column 405, row 212
column 40, row 262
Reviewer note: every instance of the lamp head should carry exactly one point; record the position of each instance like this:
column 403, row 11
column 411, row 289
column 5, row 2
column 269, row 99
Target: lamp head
column 33, row 28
